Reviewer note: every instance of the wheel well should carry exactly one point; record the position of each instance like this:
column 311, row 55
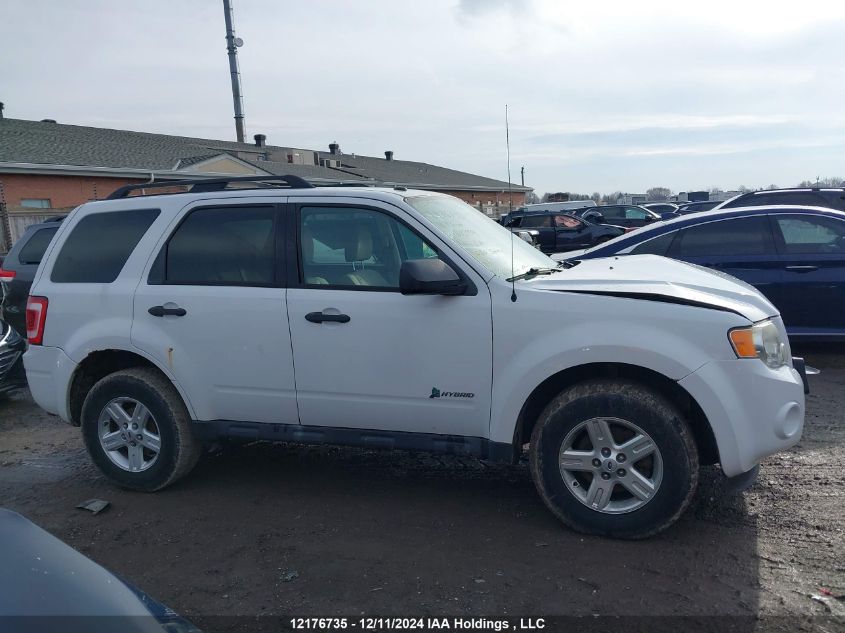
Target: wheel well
column 553, row 385
column 95, row 366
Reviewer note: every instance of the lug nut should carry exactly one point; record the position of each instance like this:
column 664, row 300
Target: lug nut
column 597, row 462
column 134, row 426
column 132, row 443
column 605, row 476
column 125, row 426
column 621, row 472
column 605, row 452
column 139, row 438
column 621, row 457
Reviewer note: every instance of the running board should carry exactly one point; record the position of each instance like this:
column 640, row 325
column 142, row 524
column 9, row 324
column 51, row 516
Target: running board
column 363, row 438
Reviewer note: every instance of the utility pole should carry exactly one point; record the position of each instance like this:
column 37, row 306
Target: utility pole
column 232, row 45
column 522, row 174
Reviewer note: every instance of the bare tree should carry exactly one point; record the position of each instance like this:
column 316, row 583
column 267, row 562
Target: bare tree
column 531, row 198
column 658, row 193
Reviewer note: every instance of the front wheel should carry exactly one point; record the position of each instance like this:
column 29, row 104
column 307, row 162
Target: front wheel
column 614, row 458
column 137, row 430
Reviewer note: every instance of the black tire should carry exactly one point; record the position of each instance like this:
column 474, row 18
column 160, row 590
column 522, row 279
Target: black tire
column 643, row 407
column 180, row 449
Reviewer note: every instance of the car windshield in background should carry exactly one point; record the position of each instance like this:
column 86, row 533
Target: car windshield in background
column 486, row 240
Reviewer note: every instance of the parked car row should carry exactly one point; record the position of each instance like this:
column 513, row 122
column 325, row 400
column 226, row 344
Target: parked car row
column 794, row 255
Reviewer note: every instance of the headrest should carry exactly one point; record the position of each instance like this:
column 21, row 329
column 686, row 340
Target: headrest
column 359, row 247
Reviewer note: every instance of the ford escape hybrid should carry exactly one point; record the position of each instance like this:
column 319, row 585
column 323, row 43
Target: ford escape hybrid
column 402, row 319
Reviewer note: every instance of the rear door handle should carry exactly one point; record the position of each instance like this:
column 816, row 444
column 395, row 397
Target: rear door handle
column 801, row 269
column 319, row 317
column 160, row 311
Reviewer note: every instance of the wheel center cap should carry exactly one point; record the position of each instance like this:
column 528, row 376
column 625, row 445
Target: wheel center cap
column 610, row 465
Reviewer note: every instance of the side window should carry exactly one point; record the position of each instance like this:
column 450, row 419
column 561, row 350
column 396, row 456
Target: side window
column 635, row 213
column 811, row 235
column 514, row 221
column 742, row 236
column 99, row 245
column 536, row 221
column 655, row 246
column 34, row 249
column 567, row 222
column 347, row 247
column 223, row 246
column 611, row 212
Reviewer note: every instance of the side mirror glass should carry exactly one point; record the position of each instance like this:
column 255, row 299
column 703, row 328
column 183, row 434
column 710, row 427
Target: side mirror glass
column 429, row 277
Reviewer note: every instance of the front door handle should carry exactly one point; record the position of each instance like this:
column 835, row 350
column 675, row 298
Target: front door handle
column 160, row 311
column 801, row 269
column 319, row 317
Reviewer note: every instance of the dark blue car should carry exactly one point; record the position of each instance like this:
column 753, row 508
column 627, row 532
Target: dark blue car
column 794, row 255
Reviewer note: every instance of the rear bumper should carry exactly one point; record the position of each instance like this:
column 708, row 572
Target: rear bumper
column 49, row 371
column 754, row 410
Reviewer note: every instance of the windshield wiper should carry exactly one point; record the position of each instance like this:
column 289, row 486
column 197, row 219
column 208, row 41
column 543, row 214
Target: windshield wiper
column 534, row 272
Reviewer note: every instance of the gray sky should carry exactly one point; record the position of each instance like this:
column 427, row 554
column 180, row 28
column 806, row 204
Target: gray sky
column 603, row 95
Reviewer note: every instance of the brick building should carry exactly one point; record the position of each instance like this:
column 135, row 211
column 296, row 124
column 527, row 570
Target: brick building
column 47, row 167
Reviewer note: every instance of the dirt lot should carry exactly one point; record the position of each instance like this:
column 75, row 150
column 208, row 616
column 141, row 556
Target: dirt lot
column 273, row 529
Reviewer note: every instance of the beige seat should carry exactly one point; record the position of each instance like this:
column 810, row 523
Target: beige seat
column 308, row 259
column 359, row 248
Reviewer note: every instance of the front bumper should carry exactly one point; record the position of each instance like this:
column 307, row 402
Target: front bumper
column 49, row 372
column 754, row 410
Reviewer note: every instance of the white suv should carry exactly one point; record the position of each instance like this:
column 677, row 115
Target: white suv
column 402, row 319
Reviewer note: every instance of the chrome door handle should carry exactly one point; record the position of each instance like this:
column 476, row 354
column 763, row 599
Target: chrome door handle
column 801, row 269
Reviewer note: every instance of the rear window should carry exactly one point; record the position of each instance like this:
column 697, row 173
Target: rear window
column 99, row 245
column 33, row 250
column 781, row 197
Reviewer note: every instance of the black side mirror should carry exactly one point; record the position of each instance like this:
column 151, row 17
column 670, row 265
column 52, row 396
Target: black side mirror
column 429, row 277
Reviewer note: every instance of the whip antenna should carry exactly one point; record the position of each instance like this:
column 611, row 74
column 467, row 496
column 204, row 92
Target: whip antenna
column 510, row 198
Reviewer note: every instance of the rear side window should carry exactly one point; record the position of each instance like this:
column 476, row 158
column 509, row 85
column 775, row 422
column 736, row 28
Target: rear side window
column 536, row 221
column 34, row 249
column 223, row 246
column 656, row 246
column 99, row 245
column 742, row 236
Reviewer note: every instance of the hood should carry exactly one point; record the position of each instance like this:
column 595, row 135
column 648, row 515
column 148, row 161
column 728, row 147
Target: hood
column 654, row 278
column 559, row 257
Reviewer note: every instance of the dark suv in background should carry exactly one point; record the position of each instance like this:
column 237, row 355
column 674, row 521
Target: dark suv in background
column 559, row 231
column 830, row 197
column 19, row 268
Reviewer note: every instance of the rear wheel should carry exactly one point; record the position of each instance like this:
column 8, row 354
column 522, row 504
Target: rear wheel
column 614, row 458
column 137, row 430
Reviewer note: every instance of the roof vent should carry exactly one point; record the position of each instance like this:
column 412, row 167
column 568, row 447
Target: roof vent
column 260, row 140
column 334, row 149
column 388, row 155
column 48, row 120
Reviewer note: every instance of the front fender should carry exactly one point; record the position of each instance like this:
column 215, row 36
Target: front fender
column 671, row 340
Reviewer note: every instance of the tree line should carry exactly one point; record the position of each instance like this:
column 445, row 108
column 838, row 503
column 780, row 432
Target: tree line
column 658, row 194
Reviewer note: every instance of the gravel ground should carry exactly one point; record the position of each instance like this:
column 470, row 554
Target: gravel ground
column 277, row 530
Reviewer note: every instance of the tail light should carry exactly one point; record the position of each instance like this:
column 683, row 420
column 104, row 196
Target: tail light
column 7, row 275
column 36, row 317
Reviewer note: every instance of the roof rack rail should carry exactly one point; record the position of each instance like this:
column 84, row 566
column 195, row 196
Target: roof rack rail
column 202, row 185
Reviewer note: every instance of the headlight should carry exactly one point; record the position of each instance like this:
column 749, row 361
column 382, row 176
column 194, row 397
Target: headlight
column 761, row 340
